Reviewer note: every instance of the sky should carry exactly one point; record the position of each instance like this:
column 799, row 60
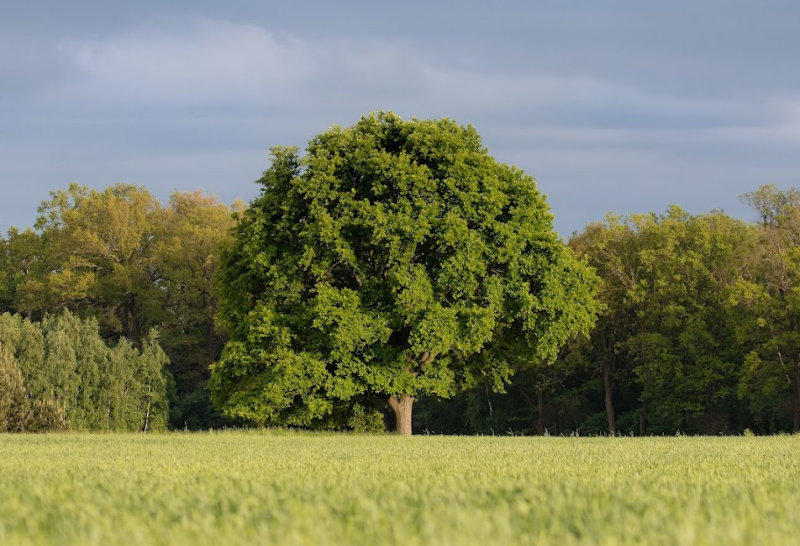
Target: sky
column 612, row 106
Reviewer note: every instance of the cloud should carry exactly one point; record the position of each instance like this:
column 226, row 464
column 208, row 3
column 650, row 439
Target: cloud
column 235, row 67
column 207, row 61
column 189, row 101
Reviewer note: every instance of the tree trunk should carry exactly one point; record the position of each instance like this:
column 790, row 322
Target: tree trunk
column 718, row 421
column 643, row 418
column 539, row 413
column 612, row 425
column 147, row 413
column 402, row 413
column 129, row 320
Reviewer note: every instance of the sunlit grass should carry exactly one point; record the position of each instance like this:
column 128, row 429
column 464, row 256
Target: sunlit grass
column 293, row 488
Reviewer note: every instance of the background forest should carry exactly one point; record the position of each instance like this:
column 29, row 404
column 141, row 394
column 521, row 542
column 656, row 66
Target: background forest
column 108, row 305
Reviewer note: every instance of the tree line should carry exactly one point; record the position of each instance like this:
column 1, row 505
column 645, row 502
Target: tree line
column 130, row 265
column 395, row 263
column 59, row 374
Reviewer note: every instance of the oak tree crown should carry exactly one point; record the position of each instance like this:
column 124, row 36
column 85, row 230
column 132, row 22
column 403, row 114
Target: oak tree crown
column 393, row 259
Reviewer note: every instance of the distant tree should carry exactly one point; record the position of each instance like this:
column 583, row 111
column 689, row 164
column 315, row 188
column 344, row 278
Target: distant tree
column 395, row 259
column 772, row 204
column 97, row 246
column 152, row 384
column 770, row 292
column 61, row 369
column 667, row 325
column 122, row 258
column 196, row 228
column 612, row 248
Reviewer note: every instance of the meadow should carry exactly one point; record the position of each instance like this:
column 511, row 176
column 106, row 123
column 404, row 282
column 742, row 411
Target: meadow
column 303, row 488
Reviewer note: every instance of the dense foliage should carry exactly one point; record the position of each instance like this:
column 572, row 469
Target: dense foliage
column 700, row 333
column 394, row 259
column 122, row 258
column 297, row 489
column 669, row 328
column 58, row 374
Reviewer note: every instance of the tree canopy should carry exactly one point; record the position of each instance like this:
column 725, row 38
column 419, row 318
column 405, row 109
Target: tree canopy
column 121, row 257
column 668, row 331
column 769, row 293
column 393, row 259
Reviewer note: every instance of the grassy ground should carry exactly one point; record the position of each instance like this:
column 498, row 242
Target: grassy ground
column 273, row 488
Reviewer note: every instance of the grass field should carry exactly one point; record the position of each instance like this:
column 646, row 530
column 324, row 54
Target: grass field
column 285, row 488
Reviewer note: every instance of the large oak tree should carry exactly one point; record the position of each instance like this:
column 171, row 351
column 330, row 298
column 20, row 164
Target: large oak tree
column 394, row 259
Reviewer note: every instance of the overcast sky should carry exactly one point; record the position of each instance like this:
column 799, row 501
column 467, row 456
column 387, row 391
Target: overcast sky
column 623, row 106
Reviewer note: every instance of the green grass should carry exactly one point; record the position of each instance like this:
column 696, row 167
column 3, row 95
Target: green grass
column 273, row 488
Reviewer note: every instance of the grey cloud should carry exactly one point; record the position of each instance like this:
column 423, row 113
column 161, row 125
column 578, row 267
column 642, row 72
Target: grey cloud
column 221, row 64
